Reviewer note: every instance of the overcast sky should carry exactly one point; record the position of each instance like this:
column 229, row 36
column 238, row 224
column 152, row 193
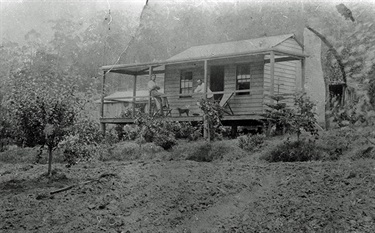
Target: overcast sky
column 17, row 17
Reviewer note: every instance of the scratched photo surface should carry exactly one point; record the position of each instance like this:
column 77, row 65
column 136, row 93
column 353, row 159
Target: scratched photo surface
column 187, row 116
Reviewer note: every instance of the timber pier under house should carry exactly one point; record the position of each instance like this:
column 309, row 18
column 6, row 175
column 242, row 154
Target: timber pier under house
column 241, row 74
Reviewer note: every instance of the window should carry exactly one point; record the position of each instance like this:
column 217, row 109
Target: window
column 243, row 78
column 186, row 85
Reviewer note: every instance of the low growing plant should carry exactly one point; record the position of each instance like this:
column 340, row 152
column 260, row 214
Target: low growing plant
column 156, row 130
column 251, row 142
column 294, row 151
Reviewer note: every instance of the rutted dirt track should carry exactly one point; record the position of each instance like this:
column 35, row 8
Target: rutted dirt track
column 187, row 196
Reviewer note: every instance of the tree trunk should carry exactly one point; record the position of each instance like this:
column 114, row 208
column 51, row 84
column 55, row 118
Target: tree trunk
column 334, row 51
column 206, row 127
column 49, row 161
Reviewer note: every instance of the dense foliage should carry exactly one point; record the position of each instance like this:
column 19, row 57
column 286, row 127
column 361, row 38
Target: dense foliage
column 212, row 115
column 251, row 142
column 300, row 117
column 43, row 105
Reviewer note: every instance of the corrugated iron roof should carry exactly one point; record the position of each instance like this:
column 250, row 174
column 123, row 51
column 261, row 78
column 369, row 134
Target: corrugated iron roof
column 124, row 96
column 230, row 48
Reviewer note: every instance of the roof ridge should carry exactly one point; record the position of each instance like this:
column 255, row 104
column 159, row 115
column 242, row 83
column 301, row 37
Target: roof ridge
column 257, row 38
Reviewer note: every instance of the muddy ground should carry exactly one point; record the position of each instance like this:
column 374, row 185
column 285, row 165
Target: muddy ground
column 245, row 195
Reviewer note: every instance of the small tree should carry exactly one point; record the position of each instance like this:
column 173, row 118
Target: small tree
column 297, row 119
column 303, row 116
column 43, row 107
column 212, row 115
column 278, row 114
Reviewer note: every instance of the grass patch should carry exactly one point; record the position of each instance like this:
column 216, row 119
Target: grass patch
column 202, row 151
column 128, row 150
column 251, row 142
column 28, row 155
column 298, row 151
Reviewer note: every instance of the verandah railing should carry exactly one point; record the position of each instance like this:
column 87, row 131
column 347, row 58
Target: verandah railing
column 147, row 99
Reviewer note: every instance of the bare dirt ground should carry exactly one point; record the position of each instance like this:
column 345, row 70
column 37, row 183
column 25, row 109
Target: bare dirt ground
column 245, row 195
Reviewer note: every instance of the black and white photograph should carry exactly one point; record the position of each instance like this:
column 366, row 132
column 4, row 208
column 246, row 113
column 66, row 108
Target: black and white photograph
column 187, row 116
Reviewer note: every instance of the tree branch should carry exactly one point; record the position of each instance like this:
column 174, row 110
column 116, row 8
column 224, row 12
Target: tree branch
column 334, row 51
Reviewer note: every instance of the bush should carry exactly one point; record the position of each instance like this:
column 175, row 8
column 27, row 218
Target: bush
column 201, row 153
column 297, row 151
column 297, row 119
column 251, row 142
column 213, row 113
column 336, row 142
column 156, row 130
column 82, row 143
column 130, row 132
column 165, row 140
column 185, row 130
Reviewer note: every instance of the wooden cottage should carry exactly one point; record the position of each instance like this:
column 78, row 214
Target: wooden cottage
column 241, row 74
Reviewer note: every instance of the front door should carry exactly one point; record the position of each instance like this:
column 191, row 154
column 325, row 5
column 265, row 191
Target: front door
column 217, row 80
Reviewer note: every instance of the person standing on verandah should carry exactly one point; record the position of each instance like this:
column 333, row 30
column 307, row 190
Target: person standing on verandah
column 154, row 92
column 200, row 89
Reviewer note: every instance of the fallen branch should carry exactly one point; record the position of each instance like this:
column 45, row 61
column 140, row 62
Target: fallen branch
column 83, row 183
column 70, row 187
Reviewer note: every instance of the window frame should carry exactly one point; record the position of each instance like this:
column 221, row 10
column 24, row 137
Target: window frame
column 247, row 80
column 187, row 87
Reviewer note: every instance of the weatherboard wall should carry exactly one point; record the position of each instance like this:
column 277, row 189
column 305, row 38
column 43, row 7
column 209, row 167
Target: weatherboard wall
column 287, row 75
column 240, row 104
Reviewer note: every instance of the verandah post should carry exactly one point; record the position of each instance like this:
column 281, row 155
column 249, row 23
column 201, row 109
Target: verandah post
column 102, row 125
column 206, row 132
column 149, row 98
column 303, row 74
column 272, row 74
column 134, row 93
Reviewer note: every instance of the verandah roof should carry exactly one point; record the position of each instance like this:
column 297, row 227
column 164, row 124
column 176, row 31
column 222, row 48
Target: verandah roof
column 262, row 45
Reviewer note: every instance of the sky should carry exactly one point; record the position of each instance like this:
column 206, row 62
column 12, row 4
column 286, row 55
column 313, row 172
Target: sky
column 17, row 17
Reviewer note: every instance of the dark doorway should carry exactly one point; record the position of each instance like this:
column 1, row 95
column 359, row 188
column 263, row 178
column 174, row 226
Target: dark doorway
column 336, row 94
column 217, row 80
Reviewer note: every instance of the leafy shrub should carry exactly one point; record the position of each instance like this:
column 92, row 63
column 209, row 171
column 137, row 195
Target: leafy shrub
column 165, row 140
column 130, row 132
column 212, row 113
column 297, row 119
column 297, row 151
column 156, row 130
column 119, row 128
column 251, row 142
column 44, row 105
column 185, row 130
column 277, row 114
column 336, row 142
column 82, row 143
